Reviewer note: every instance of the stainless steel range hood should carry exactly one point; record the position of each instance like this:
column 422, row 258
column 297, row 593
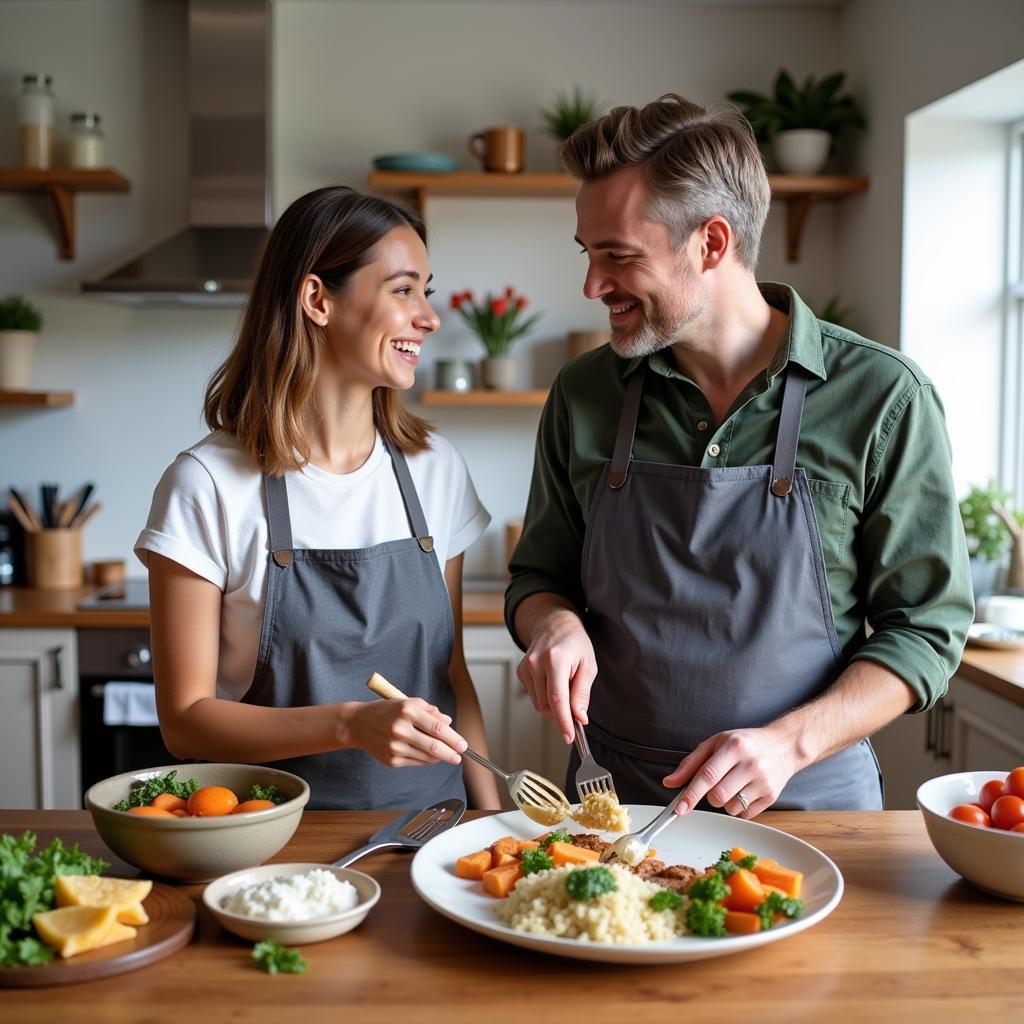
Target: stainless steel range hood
column 211, row 262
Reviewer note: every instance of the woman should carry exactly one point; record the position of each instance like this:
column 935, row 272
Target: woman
column 300, row 546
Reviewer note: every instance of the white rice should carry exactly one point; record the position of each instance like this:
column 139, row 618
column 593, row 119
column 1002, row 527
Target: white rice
column 602, row 810
column 315, row 893
column 540, row 905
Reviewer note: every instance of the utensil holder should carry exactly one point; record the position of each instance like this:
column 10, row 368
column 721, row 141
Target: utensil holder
column 55, row 559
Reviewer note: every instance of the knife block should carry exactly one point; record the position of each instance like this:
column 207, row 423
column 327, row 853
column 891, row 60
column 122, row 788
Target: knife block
column 55, row 559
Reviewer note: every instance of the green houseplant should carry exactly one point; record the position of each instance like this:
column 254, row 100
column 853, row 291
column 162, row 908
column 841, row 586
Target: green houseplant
column 569, row 111
column 800, row 122
column 834, row 312
column 497, row 321
column 992, row 529
column 20, row 323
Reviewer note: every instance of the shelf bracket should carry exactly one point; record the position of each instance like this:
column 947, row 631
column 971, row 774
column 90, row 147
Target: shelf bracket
column 64, row 202
column 797, row 209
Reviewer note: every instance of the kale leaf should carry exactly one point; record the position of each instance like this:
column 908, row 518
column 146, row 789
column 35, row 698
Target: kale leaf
column 275, row 958
column 536, row 860
column 143, row 794
column 776, row 903
column 267, row 792
column 705, row 917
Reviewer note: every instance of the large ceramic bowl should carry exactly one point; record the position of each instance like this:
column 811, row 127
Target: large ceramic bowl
column 290, row 933
column 198, row 849
column 989, row 858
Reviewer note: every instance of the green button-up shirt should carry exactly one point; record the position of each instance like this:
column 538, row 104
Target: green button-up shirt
column 874, row 447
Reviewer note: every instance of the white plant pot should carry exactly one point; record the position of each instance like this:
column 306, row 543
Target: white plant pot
column 16, row 351
column 802, row 151
column 499, row 373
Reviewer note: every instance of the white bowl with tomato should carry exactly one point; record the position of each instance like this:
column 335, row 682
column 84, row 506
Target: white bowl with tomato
column 975, row 821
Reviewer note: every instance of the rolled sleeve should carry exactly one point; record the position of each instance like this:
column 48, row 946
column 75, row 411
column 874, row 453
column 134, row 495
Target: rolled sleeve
column 913, row 561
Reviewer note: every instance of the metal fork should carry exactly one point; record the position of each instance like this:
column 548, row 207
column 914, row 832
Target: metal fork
column 590, row 776
column 411, row 831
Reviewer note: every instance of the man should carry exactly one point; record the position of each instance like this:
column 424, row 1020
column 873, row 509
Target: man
column 723, row 496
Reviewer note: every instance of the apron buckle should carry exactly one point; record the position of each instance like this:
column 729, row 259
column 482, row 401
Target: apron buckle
column 616, row 478
column 426, row 543
column 781, row 487
column 283, row 558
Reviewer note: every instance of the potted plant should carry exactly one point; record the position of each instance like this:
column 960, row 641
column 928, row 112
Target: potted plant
column 800, row 122
column 20, row 322
column 991, row 530
column 498, row 322
column 834, row 312
column 568, row 112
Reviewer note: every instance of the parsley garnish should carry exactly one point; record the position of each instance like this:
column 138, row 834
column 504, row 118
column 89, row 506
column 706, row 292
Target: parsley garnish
column 536, row 860
column 268, row 792
column 665, row 899
column 275, row 958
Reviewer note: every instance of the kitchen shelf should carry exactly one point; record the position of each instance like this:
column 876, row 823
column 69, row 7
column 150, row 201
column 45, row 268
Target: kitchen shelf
column 481, row 398
column 798, row 191
column 61, row 184
column 37, row 398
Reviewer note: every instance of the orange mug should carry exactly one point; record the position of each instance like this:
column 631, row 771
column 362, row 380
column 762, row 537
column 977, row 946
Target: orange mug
column 500, row 149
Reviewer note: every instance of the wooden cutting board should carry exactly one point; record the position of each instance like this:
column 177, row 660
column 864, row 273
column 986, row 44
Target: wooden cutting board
column 172, row 918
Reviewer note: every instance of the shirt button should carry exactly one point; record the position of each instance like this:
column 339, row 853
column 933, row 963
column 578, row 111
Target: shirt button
column 702, row 425
column 714, row 451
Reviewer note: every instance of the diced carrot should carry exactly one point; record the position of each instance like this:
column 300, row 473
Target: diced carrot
column 506, row 844
column 528, row 844
column 789, row 881
column 501, row 881
column 738, row 853
column 473, row 865
column 504, row 858
column 566, row 853
column 741, row 922
column 769, row 889
column 745, row 891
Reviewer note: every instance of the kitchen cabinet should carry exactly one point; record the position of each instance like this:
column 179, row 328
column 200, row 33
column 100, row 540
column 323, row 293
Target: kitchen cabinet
column 39, row 762
column 986, row 731
column 517, row 735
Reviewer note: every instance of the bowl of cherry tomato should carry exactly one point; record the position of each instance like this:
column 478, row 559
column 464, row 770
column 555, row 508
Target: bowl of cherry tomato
column 195, row 822
column 975, row 821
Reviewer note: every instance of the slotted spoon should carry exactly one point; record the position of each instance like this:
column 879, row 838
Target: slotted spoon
column 538, row 798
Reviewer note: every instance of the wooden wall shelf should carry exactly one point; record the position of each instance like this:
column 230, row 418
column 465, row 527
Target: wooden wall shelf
column 61, row 184
column 481, row 398
column 37, row 398
column 798, row 191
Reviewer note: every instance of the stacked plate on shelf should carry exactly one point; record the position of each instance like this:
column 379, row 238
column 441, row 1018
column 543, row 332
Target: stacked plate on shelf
column 431, row 163
column 1000, row 623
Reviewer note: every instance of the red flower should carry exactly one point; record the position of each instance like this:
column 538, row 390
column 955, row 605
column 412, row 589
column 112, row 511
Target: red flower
column 510, row 293
column 457, row 299
column 467, row 296
column 499, row 307
column 522, row 302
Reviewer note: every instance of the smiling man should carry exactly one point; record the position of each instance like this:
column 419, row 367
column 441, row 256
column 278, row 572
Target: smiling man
column 724, row 496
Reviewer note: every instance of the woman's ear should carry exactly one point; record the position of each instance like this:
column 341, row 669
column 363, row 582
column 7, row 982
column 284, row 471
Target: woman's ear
column 315, row 299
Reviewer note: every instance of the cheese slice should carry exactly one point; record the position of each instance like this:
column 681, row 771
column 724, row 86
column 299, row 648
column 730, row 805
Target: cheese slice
column 123, row 894
column 118, row 933
column 72, row 930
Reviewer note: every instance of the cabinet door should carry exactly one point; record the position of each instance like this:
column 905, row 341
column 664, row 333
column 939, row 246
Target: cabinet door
column 39, row 765
column 988, row 731
column 910, row 750
column 517, row 736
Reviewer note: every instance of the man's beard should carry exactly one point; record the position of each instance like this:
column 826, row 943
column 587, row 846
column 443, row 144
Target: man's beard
column 655, row 332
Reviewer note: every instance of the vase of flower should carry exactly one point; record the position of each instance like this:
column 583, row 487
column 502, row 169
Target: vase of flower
column 498, row 321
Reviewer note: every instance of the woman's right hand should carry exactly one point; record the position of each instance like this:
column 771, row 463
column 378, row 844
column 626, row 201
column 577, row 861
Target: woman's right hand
column 403, row 733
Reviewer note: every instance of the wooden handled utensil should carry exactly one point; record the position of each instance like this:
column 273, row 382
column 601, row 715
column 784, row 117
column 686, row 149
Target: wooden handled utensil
column 538, row 798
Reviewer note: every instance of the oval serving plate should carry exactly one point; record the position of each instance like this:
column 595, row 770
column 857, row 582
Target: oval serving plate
column 697, row 840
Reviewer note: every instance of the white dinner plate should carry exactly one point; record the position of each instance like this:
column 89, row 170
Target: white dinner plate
column 999, row 638
column 697, row 840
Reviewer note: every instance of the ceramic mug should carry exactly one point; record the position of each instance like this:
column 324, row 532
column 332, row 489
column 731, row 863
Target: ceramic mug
column 454, row 375
column 501, row 149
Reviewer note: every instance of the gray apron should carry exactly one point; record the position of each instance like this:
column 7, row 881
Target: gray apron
column 708, row 607
column 330, row 619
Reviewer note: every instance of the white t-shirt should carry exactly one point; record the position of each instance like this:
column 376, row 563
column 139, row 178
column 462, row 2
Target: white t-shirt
column 209, row 515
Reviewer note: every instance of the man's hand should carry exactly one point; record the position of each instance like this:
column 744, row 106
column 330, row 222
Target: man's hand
column 756, row 762
column 559, row 667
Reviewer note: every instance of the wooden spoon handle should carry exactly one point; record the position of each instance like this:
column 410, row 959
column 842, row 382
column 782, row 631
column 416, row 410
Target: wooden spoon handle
column 383, row 688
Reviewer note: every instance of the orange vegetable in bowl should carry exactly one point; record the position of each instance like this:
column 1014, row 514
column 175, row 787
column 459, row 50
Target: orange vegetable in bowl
column 1008, row 812
column 246, row 806
column 990, row 793
column 745, row 891
column 971, row 814
column 150, row 812
column 169, row 802
column 212, row 802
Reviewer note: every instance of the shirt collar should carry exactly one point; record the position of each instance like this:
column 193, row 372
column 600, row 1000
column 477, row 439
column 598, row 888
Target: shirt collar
column 801, row 342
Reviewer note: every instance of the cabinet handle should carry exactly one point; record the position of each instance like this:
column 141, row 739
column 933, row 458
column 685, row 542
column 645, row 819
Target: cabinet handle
column 931, row 728
column 944, row 750
column 58, row 668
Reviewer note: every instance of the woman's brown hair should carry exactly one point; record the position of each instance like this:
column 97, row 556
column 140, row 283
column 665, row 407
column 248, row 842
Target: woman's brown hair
column 262, row 392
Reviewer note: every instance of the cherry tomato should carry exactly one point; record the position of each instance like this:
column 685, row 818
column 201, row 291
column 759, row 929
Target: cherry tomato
column 990, row 793
column 970, row 814
column 1007, row 812
column 1018, row 828
column 1015, row 782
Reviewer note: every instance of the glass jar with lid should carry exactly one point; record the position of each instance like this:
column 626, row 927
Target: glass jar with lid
column 86, row 143
column 36, row 121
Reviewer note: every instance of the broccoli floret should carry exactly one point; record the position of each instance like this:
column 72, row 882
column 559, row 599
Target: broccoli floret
column 589, row 883
column 726, row 866
column 710, row 887
column 536, row 860
column 665, row 899
column 778, row 904
column 561, row 836
column 706, row 918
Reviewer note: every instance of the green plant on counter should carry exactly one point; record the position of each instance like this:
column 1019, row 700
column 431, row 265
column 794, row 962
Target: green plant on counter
column 18, row 315
column 815, row 105
column 988, row 536
column 568, row 112
column 834, row 312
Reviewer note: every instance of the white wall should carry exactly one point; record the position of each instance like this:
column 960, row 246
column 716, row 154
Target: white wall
column 352, row 79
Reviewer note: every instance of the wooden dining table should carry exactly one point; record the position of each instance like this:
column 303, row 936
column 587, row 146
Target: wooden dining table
column 910, row 941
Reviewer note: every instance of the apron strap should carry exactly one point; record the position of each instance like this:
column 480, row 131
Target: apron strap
column 788, row 438
column 411, row 500
column 627, row 428
column 279, row 523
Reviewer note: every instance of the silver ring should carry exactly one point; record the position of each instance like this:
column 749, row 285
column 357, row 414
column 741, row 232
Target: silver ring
column 743, row 800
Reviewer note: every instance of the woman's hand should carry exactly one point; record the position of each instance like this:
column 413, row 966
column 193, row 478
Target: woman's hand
column 402, row 733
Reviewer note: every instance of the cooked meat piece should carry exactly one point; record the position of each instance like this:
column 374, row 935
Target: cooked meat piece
column 589, row 841
column 679, row 884
column 677, row 873
column 649, row 866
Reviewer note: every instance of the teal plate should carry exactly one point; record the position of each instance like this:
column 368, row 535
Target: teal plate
column 437, row 163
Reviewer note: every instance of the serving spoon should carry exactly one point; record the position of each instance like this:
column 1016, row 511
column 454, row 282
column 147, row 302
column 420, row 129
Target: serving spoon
column 631, row 849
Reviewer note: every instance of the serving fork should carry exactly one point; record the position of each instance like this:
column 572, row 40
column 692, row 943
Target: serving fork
column 590, row 776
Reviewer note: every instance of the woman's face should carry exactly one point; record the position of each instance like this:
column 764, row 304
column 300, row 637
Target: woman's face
column 378, row 322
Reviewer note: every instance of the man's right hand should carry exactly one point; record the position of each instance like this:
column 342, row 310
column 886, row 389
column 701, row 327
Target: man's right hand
column 559, row 667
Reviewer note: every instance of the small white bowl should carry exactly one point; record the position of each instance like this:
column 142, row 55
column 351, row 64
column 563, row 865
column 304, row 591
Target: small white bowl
column 290, row 933
column 989, row 858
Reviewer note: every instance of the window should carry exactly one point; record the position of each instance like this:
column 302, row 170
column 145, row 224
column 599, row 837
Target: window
column 1012, row 418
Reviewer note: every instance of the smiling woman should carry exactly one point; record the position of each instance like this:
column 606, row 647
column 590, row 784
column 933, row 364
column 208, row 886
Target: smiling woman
column 316, row 535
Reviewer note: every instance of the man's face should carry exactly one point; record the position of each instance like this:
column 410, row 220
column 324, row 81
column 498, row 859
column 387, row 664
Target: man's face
column 652, row 288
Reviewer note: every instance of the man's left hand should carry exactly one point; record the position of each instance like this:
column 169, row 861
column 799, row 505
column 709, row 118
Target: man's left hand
column 755, row 762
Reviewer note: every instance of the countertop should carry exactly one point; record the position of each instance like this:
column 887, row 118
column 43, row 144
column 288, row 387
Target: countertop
column 1001, row 672
column 910, row 941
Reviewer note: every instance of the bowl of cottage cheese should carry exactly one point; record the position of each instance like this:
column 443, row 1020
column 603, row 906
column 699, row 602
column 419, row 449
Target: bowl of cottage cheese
column 291, row 903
